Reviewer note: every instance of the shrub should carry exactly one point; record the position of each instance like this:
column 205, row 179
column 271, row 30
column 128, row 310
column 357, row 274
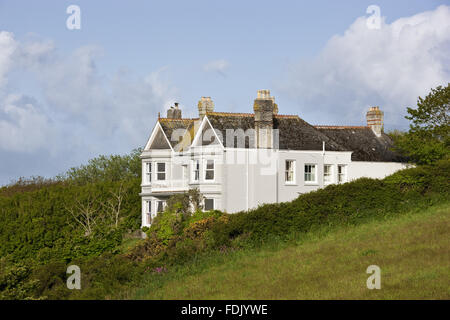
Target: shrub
column 16, row 284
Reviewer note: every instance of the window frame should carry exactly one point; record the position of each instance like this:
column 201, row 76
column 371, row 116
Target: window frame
column 157, row 206
column 148, row 173
column 294, row 171
column 213, row 204
column 331, row 174
column 343, row 174
column 195, row 172
column 205, row 170
column 157, row 172
column 148, row 211
column 313, row 165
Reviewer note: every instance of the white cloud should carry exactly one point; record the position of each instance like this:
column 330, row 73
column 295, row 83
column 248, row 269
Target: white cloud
column 389, row 67
column 7, row 49
column 219, row 66
column 23, row 126
column 80, row 112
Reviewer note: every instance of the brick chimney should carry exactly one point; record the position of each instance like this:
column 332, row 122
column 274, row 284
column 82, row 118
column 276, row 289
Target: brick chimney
column 264, row 108
column 374, row 119
column 174, row 112
column 205, row 105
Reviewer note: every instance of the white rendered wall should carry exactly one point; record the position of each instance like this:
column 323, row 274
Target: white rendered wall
column 256, row 176
column 376, row 170
column 247, row 178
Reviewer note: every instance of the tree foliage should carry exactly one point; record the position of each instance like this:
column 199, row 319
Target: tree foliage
column 106, row 168
column 428, row 138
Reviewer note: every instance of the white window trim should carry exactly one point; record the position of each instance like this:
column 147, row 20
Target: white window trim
column 294, row 167
column 153, row 135
column 205, row 163
column 344, row 166
column 164, row 203
column 193, row 167
column 332, row 178
column 148, row 175
column 148, row 211
column 314, row 182
column 165, row 171
column 214, row 204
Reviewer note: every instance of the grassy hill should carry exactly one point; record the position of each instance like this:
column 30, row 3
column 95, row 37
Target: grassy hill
column 316, row 246
column 412, row 251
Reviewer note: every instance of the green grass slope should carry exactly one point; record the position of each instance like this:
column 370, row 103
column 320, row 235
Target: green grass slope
column 274, row 251
column 412, row 251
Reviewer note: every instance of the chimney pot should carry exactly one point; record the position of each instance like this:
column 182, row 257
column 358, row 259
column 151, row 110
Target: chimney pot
column 174, row 112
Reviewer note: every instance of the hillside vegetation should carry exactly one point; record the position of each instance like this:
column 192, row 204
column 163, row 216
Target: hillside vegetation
column 41, row 236
column 90, row 217
column 47, row 224
column 412, row 251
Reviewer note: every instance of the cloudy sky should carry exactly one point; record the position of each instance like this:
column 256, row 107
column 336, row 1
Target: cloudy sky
column 67, row 95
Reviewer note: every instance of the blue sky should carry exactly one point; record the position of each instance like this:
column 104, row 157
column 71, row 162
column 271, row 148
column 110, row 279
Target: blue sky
column 69, row 95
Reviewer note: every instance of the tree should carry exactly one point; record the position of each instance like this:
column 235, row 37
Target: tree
column 113, row 205
column 106, row 168
column 428, row 138
column 85, row 213
column 185, row 203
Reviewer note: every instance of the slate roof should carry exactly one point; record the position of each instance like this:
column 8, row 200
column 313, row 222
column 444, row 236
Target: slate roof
column 171, row 125
column 295, row 134
column 366, row 146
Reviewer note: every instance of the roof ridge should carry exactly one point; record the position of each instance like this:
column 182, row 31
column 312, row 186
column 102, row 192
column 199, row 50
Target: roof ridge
column 339, row 127
column 219, row 113
column 182, row 119
column 238, row 114
column 287, row 116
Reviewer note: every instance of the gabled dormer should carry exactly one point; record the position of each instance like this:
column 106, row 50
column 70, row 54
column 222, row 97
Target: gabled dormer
column 158, row 139
column 207, row 135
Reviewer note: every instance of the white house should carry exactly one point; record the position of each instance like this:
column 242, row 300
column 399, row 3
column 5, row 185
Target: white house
column 241, row 160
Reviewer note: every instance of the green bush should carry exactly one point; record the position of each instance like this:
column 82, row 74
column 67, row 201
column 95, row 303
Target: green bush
column 40, row 238
column 15, row 282
column 38, row 223
column 166, row 225
column 336, row 205
column 106, row 169
column 349, row 203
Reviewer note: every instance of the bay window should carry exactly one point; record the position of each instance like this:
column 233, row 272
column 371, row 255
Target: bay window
column 148, row 172
column 148, row 209
column 160, row 204
column 209, row 204
column 160, row 171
